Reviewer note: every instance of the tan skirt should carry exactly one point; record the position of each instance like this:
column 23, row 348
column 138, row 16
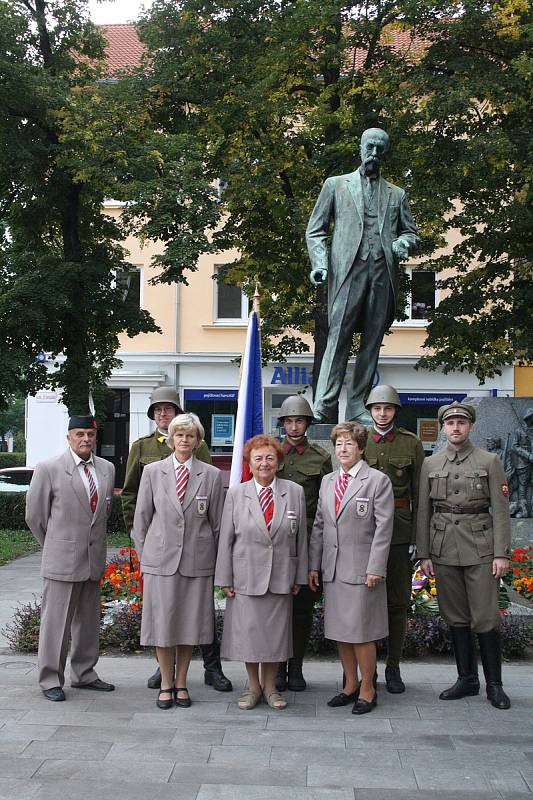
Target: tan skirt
column 354, row 613
column 257, row 629
column 177, row 610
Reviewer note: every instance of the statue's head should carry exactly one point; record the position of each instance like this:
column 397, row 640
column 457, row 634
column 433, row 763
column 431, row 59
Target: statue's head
column 374, row 145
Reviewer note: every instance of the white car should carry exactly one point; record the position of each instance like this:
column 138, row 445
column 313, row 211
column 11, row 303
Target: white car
column 15, row 479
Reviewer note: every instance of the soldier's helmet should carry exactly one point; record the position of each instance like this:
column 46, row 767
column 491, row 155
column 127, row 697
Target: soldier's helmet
column 528, row 414
column 295, row 406
column 164, row 394
column 383, row 394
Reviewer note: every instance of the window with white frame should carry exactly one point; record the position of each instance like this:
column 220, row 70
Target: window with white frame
column 422, row 298
column 129, row 282
column 230, row 303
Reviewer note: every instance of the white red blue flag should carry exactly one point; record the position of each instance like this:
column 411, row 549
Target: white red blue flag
column 249, row 420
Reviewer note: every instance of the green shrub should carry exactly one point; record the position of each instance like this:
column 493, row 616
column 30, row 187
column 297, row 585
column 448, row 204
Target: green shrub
column 116, row 520
column 22, row 632
column 12, row 460
column 12, row 510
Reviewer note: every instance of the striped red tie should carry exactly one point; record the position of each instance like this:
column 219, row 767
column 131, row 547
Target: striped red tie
column 182, row 476
column 93, row 493
column 266, row 501
column 340, row 488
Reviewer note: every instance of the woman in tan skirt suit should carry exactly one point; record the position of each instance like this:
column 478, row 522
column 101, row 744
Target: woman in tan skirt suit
column 175, row 531
column 261, row 563
column 350, row 544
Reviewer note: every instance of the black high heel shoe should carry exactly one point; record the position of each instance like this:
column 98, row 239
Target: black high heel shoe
column 164, row 704
column 364, row 706
column 183, row 702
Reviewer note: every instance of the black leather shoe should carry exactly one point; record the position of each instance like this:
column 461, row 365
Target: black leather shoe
column 363, row 706
column 217, row 679
column 295, row 679
column 393, row 679
column 96, row 686
column 182, row 702
column 154, row 681
column 497, row 696
column 343, row 699
column 56, row 694
column 465, row 686
column 281, row 677
column 164, row 704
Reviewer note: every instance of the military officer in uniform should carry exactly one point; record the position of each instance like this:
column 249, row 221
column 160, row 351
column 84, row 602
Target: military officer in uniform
column 164, row 406
column 463, row 538
column 305, row 463
column 399, row 454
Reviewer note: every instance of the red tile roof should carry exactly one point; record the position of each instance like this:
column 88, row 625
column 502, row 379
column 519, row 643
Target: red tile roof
column 123, row 46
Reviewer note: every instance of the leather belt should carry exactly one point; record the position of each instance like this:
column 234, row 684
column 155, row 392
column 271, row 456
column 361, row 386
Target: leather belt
column 402, row 502
column 460, row 509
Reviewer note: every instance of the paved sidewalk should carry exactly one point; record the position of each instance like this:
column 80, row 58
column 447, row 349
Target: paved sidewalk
column 121, row 746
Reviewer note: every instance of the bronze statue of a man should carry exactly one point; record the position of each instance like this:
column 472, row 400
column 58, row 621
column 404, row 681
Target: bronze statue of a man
column 373, row 232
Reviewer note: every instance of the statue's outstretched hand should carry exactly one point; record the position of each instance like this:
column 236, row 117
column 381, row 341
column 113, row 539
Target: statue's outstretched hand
column 318, row 276
column 400, row 249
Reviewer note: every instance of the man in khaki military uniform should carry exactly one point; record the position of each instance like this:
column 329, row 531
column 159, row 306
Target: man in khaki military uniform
column 463, row 538
column 164, row 406
column 305, row 463
column 399, row 454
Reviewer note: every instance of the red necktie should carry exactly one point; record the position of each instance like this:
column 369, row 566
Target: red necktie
column 340, row 488
column 93, row 493
column 182, row 476
column 266, row 501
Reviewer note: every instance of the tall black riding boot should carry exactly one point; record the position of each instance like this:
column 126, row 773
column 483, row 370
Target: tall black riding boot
column 213, row 675
column 295, row 679
column 281, row 677
column 490, row 650
column 467, row 684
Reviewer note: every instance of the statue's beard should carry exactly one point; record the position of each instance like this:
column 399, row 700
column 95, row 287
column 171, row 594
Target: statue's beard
column 371, row 167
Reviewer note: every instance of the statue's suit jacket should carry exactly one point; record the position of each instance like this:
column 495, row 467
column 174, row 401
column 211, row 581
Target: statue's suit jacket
column 59, row 516
column 253, row 559
column 170, row 536
column 342, row 201
column 356, row 542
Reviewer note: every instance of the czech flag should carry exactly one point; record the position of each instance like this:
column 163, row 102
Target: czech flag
column 250, row 404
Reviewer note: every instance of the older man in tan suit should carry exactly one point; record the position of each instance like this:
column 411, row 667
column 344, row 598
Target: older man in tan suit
column 67, row 507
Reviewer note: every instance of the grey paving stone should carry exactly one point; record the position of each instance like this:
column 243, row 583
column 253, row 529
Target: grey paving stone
column 380, row 742
column 12, row 789
column 10, row 714
column 492, row 740
column 248, row 792
column 402, row 794
column 301, row 711
column 18, row 767
column 51, row 715
column 191, row 753
column 303, row 738
column 504, row 727
column 75, row 750
column 20, row 732
column 365, row 777
column 478, row 759
column 103, row 734
column 13, row 748
column 238, row 774
column 114, row 772
column 509, row 780
column 451, row 726
column 463, row 780
column 292, row 756
column 343, row 721
column 51, row 789
column 527, row 775
column 253, row 755
column 200, row 734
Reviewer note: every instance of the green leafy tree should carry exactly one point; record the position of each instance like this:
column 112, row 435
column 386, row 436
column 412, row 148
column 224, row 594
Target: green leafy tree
column 12, row 420
column 71, row 138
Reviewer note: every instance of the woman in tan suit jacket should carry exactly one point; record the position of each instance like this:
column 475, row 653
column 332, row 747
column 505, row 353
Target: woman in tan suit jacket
column 261, row 563
column 350, row 544
column 175, row 531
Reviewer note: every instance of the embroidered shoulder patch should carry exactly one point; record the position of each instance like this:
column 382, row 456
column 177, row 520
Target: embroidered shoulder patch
column 505, row 490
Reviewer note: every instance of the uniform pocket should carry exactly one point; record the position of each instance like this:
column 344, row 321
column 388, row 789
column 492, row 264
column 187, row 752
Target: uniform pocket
column 437, row 484
column 438, row 530
column 483, row 538
column 399, row 470
column 477, row 484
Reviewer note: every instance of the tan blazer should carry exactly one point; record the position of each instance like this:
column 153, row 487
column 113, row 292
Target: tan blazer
column 59, row 516
column 169, row 536
column 357, row 541
column 253, row 559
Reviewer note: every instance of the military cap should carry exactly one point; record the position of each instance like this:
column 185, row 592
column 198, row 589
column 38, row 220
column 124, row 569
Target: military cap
column 87, row 421
column 164, row 394
column 295, row 406
column 383, row 394
column 456, row 409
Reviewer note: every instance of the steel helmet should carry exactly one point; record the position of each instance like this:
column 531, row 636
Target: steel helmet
column 383, row 394
column 295, row 406
column 164, row 394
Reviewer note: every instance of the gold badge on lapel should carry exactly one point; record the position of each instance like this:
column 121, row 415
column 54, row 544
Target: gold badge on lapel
column 361, row 506
column 201, row 505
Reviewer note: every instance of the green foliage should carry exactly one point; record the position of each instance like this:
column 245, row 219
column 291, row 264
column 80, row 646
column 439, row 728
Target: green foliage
column 22, row 633
column 12, row 510
column 12, row 460
column 15, row 543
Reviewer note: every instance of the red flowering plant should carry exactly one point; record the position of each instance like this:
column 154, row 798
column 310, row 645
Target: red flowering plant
column 121, row 584
column 520, row 575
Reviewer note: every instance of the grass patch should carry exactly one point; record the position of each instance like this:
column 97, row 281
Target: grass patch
column 14, row 544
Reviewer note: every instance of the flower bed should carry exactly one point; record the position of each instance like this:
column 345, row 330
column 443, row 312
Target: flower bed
column 520, row 576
